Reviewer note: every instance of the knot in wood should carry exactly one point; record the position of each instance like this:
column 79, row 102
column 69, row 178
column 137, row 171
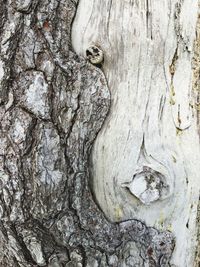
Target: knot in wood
column 95, row 55
column 148, row 185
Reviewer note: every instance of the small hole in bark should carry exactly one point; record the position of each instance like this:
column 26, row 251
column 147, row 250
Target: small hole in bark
column 88, row 53
column 95, row 55
column 150, row 251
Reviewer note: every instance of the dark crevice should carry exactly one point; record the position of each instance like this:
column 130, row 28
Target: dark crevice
column 27, row 255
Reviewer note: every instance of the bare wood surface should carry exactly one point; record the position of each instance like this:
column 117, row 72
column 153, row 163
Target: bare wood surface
column 145, row 161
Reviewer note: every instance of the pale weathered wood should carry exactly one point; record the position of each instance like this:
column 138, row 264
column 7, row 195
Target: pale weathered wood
column 152, row 127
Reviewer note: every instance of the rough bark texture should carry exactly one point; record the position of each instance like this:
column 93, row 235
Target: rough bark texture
column 53, row 104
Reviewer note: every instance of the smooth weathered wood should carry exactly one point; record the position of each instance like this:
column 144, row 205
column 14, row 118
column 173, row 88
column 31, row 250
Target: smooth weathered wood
column 152, row 130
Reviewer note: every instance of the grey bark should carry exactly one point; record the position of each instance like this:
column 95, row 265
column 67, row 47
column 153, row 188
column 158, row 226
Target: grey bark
column 53, row 104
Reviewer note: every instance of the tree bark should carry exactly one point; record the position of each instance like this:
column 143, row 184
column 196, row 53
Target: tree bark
column 64, row 198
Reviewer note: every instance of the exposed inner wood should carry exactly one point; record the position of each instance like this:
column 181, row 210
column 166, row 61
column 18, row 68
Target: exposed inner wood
column 152, row 123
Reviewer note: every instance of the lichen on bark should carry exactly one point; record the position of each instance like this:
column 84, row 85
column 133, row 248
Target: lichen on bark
column 53, row 104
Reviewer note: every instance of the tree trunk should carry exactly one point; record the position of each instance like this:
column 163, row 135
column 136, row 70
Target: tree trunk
column 99, row 159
